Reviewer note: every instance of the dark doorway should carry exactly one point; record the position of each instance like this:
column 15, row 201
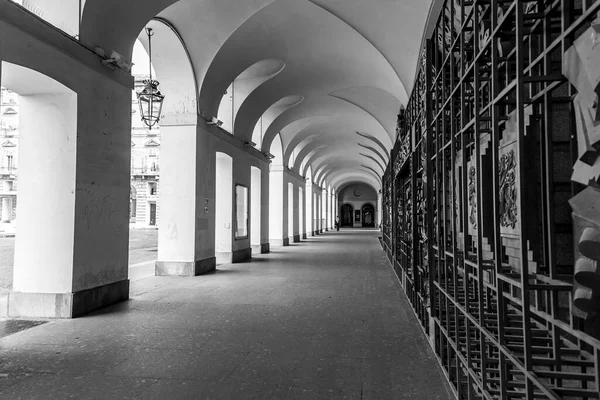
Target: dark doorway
column 347, row 215
column 152, row 214
column 368, row 214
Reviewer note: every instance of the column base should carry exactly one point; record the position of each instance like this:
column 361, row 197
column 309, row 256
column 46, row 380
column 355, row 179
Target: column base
column 241, row 255
column 183, row 268
column 66, row 305
column 265, row 248
column 296, row 238
column 304, row 236
column 256, row 249
column 280, row 242
column 234, row 256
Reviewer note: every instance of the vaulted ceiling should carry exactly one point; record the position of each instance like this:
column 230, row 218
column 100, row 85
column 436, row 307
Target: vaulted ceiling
column 350, row 62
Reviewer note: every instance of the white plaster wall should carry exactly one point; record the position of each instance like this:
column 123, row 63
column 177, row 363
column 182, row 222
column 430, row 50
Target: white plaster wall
column 46, row 207
column 301, row 211
column 308, row 207
column 243, row 159
column 177, row 197
column 265, row 204
column 103, row 144
column 255, row 207
column 277, row 201
column 290, row 211
column 358, row 195
column 224, row 203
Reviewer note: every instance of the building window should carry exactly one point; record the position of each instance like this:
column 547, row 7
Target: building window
column 10, row 163
column 152, row 188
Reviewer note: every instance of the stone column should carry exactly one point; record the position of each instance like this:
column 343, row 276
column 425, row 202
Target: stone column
column 326, row 208
column 378, row 211
column 278, row 207
column 308, row 199
column 73, row 259
column 184, row 245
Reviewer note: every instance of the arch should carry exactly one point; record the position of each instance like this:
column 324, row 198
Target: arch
column 368, row 211
column 9, row 111
column 375, row 161
column 327, row 72
column 47, row 164
column 173, row 68
column 270, row 115
column 276, row 151
column 241, row 87
column 114, row 25
column 383, row 157
column 379, row 103
column 374, row 140
column 347, row 215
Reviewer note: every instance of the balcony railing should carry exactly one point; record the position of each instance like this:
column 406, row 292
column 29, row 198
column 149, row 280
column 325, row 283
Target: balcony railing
column 8, row 170
column 145, row 171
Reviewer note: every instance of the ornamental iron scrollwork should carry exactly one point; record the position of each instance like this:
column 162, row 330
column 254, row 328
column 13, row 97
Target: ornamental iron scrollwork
column 409, row 214
column 473, row 197
column 421, row 210
column 508, row 190
column 403, row 154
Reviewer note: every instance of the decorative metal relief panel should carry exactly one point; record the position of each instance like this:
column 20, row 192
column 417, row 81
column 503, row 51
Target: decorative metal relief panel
column 403, row 154
column 472, row 197
column 508, row 185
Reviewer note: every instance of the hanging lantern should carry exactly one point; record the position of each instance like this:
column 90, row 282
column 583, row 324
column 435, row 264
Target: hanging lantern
column 151, row 102
column 150, row 99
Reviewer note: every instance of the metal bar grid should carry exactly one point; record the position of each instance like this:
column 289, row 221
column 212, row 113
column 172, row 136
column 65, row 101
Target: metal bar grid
column 499, row 288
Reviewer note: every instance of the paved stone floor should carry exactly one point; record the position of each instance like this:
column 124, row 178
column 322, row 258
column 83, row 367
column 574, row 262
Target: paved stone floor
column 322, row 319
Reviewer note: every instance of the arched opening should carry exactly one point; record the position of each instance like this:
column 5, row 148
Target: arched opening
column 144, row 204
column 39, row 152
column 241, row 88
column 368, row 216
column 347, row 219
column 223, row 208
column 270, row 115
column 255, row 206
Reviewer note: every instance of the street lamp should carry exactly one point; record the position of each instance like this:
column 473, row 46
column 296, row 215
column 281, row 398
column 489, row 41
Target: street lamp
column 150, row 98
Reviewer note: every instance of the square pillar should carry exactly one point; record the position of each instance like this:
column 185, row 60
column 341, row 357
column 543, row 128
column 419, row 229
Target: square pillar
column 184, row 242
column 71, row 250
column 278, row 207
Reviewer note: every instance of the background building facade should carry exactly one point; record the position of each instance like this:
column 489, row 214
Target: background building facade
column 145, row 163
column 9, row 138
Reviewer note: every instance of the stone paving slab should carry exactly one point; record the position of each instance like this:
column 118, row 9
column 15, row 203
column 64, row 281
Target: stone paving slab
column 323, row 319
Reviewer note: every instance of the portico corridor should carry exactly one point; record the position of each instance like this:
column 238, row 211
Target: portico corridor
column 324, row 318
